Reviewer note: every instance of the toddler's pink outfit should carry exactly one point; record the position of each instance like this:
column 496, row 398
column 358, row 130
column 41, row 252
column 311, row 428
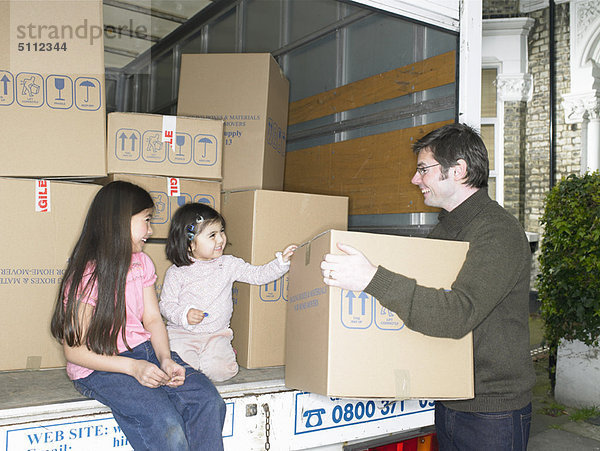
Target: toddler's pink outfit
column 207, row 286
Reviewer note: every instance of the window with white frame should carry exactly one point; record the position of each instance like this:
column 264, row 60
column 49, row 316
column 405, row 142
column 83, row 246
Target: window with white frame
column 491, row 126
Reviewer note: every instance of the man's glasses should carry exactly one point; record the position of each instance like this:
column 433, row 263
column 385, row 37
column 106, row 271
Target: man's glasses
column 422, row 170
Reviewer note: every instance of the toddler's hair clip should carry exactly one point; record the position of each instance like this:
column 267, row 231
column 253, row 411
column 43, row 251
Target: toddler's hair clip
column 191, row 228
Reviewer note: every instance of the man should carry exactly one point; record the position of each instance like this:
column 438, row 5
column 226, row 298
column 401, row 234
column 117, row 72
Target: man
column 490, row 296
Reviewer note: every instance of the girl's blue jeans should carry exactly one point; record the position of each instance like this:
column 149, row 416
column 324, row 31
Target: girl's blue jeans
column 476, row 431
column 189, row 417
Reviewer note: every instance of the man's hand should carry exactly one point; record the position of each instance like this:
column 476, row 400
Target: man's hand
column 351, row 271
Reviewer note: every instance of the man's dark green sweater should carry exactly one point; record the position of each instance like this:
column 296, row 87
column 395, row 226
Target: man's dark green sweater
column 490, row 297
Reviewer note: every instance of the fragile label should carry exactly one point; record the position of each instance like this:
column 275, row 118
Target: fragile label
column 42, row 196
column 173, row 186
column 169, row 129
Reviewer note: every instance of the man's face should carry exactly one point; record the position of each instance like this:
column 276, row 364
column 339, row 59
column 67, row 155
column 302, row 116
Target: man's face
column 438, row 190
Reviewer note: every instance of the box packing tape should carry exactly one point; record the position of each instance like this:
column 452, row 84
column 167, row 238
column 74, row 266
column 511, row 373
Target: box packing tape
column 34, row 362
column 402, row 380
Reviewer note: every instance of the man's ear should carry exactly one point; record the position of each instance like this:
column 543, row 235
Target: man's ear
column 460, row 170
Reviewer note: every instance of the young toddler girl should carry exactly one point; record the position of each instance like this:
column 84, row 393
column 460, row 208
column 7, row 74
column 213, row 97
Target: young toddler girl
column 115, row 342
column 196, row 297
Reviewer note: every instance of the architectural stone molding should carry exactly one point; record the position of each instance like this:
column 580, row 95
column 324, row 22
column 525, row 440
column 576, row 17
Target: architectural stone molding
column 514, row 87
column 510, row 26
column 527, row 6
column 587, row 12
column 581, row 106
column 585, row 34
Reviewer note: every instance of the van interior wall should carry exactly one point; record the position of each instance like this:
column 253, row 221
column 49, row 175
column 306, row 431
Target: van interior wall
column 364, row 84
column 374, row 171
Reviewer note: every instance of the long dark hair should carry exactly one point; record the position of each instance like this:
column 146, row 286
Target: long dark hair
column 104, row 248
column 188, row 221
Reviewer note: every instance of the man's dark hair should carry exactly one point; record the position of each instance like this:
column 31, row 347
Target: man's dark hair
column 453, row 142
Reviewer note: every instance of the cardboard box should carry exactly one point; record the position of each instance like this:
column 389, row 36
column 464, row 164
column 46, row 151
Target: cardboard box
column 260, row 223
column 250, row 93
column 52, row 101
column 156, row 251
column 344, row 344
column 172, row 146
column 169, row 193
column 35, row 248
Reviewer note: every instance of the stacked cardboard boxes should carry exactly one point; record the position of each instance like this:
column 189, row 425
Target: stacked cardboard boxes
column 177, row 159
column 52, row 106
column 52, row 111
column 260, row 223
column 40, row 226
column 250, row 94
column 169, row 193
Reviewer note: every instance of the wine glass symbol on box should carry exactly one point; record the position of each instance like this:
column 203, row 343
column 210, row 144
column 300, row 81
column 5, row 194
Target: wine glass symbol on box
column 181, row 150
column 59, row 92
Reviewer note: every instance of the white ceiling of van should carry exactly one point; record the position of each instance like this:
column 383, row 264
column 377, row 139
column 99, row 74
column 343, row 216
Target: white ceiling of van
column 133, row 26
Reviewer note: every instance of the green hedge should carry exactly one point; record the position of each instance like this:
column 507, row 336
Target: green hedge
column 569, row 280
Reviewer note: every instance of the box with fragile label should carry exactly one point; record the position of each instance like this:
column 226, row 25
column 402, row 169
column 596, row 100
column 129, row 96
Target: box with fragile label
column 52, row 106
column 345, row 344
column 169, row 193
column 41, row 224
column 260, row 223
column 173, row 146
column 249, row 92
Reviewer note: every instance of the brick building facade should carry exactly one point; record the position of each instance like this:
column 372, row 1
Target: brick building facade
column 527, row 124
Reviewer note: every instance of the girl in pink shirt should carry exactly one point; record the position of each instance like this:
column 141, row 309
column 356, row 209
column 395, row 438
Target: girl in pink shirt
column 196, row 294
column 107, row 318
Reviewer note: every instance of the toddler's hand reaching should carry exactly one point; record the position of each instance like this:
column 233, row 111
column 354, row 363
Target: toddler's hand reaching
column 288, row 252
column 195, row 316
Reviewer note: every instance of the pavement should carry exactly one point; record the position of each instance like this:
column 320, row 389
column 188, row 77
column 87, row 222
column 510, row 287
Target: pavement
column 556, row 427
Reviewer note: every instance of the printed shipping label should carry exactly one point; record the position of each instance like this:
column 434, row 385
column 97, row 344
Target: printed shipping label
column 169, row 129
column 317, row 413
column 42, row 196
column 173, row 187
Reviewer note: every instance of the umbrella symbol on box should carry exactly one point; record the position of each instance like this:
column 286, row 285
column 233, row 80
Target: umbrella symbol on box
column 205, row 141
column 88, row 85
column 180, row 141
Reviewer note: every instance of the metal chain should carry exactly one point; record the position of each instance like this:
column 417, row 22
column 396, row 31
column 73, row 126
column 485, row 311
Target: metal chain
column 267, row 426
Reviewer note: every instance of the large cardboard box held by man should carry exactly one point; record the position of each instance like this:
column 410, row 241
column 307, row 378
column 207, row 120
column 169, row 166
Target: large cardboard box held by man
column 173, row 146
column 52, row 106
column 250, row 93
column 345, row 344
column 169, row 193
column 40, row 225
column 260, row 223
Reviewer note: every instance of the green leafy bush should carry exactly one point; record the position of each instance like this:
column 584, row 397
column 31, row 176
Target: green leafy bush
column 569, row 279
